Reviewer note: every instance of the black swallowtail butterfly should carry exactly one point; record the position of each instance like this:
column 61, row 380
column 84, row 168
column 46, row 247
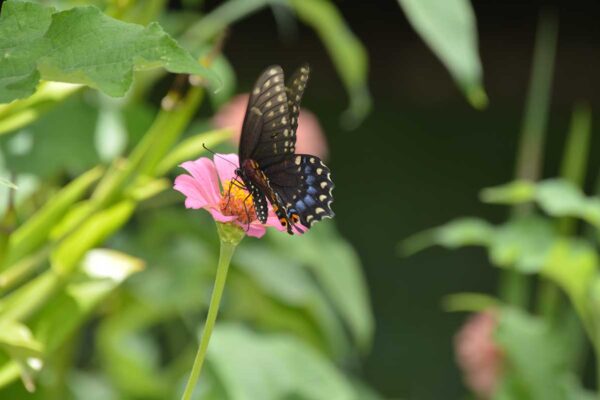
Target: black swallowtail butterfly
column 298, row 186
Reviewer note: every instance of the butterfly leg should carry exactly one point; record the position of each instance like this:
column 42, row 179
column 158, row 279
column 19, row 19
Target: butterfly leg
column 236, row 183
column 247, row 213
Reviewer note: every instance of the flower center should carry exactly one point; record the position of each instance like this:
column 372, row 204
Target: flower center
column 236, row 201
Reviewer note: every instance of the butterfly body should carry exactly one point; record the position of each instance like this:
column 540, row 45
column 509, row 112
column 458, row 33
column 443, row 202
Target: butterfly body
column 297, row 186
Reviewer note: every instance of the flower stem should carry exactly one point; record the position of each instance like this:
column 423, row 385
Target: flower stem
column 226, row 252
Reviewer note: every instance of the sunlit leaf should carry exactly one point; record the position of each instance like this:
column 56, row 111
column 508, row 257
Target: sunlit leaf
column 449, row 29
column 102, row 271
column 90, row 234
column 36, row 229
column 23, row 112
column 81, row 45
column 7, row 183
column 25, row 351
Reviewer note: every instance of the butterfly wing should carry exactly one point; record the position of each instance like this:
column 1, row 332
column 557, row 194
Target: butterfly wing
column 304, row 184
column 267, row 135
column 295, row 89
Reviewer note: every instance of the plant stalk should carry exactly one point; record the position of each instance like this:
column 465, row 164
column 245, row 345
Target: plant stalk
column 226, row 252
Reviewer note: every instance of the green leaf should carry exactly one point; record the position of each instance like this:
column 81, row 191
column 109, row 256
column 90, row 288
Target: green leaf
column 572, row 264
column 24, row 350
column 345, row 49
column 511, row 193
column 302, row 307
column 17, row 339
column 33, row 233
column 7, row 183
column 272, row 367
column 523, row 243
column 102, row 271
column 338, row 270
column 20, row 113
column 90, row 234
column 459, row 233
column 449, row 29
column 536, row 356
column 81, row 45
column 559, row 197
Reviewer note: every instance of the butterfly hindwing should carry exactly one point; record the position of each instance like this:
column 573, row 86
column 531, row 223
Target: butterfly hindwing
column 304, row 184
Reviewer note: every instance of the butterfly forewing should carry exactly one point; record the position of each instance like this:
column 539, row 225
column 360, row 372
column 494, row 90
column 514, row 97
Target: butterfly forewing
column 295, row 89
column 266, row 131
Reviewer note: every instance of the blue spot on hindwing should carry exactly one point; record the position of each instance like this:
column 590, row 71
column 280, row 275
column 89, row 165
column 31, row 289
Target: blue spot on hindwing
column 309, row 200
column 311, row 190
column 300, row 206
column 310, row 179
column 307, row 170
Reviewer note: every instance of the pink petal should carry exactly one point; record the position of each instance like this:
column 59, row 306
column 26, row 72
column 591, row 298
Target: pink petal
column 218, row 215
column 204, row 173
column 226, row 165
column 256, row 230
column 192, row 190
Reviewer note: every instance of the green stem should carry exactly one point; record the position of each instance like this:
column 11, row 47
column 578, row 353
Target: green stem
column 226, row 252
column 515, row 287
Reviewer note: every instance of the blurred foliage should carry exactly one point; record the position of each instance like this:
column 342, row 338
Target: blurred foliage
column 449, row 29
column 104, row 276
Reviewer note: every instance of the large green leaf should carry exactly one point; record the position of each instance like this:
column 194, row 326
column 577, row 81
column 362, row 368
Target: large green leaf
column 449, row 29
column 272, row 367
column 285, row 297
column 81, row 45
column 338, row 270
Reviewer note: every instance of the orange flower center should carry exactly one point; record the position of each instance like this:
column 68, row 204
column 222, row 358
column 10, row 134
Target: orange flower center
column 236, row 201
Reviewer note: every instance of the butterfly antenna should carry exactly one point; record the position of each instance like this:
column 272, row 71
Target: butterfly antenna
column 218, row 155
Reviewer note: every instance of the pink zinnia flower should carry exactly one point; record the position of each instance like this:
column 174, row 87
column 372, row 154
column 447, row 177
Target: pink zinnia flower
column 479, row 357
column 225, row 202
column 309, row 136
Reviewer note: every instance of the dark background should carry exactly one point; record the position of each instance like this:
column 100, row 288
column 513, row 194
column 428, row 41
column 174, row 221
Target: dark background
column 422, row 156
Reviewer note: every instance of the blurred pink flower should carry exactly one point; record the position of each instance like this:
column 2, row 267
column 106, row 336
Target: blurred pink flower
column 309, row 136
column 224, row 203
column 478, row 356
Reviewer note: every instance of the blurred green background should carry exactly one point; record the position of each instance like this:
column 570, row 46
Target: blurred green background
column 419, row 159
